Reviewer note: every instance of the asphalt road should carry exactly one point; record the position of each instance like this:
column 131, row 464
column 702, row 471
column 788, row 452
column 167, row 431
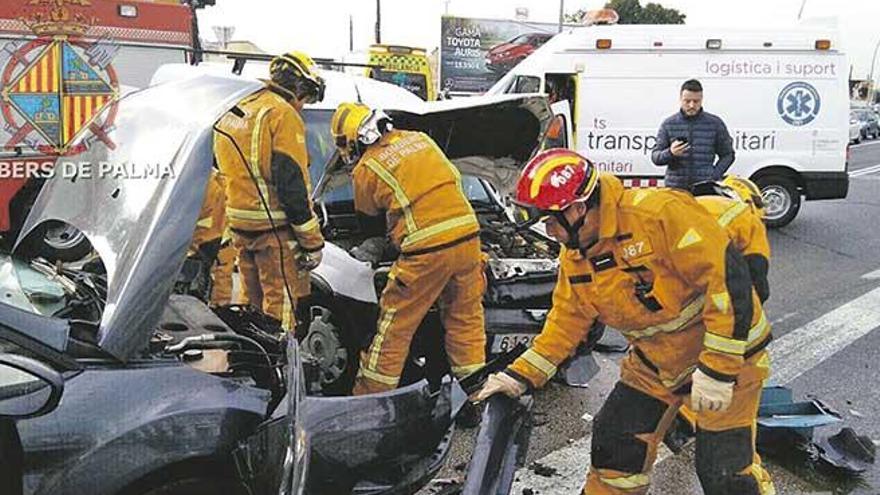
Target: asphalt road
column 825, row 312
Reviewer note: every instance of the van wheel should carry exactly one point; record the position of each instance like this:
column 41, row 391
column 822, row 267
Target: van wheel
column 782, row 200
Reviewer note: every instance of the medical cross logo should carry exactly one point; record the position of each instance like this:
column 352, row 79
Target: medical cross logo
column 56, row 88
column 798, row 103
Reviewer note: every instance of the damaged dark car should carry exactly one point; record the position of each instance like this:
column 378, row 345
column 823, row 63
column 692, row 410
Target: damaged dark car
column 165, row 395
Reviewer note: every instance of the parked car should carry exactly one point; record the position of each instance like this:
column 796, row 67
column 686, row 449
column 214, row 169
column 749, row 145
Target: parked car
column 855, row 128
column 162, row 394
column 870, row 124
column 501, row 58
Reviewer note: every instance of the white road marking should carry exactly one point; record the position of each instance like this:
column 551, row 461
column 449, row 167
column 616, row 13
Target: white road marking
column 791, row 356
column 863, row 144
column 801, row 350
column 865, row 171
column 872, row 276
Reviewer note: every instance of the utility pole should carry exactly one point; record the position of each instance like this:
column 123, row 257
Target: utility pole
column 350, row 34
column 561, row 13
column 378, row 21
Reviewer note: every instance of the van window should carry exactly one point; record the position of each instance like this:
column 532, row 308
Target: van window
column 555, row 136
column 561, row 87
column 526, row 84
column 413, row 82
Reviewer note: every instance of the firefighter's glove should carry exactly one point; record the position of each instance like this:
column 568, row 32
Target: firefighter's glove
column 308, row 261
column 709, row 394
column 500, row 382
column 370, row 250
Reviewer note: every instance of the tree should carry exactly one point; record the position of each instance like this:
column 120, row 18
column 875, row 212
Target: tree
column 632, row 12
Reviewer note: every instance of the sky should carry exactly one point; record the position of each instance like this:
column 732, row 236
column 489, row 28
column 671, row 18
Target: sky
column 321, row 27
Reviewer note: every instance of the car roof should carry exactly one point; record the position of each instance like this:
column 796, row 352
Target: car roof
column 341, row 87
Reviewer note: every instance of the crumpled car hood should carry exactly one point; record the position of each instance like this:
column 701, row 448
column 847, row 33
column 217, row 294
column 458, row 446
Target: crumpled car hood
column 141, row 224
column 490, row 137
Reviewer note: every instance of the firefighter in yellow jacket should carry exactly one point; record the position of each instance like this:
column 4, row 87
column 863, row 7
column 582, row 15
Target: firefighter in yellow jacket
column 658, row 267
column 737, row 205
column 403, row 183
column 260, row 146
column 212, row 240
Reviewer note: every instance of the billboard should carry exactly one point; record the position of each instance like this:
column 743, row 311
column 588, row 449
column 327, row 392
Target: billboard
column 475, row 53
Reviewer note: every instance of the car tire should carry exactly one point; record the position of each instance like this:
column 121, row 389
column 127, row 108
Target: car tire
column 782, row 200
column 198, row 486
column 330, row 337
column 58, row 241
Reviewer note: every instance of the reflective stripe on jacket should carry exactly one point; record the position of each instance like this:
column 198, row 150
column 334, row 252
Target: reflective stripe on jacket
column 665, row 274
column 408, row 178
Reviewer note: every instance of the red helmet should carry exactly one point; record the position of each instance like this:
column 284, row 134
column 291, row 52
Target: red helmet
column 553, row 180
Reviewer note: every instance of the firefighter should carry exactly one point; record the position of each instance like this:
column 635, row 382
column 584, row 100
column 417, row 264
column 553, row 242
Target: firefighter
column 655, row 265
column 260, row 145
column 212, row 240
column 206, row 238
column 403, row 183
column 737, row 205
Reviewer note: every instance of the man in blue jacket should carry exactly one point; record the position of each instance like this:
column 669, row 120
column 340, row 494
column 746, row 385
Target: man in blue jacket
column 688, row 142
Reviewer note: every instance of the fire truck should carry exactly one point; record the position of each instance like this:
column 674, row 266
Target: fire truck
column 63, row 66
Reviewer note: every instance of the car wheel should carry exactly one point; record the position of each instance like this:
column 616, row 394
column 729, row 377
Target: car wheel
column 330, row 338
column 58, row 241
column 198, row 486
column 782, row 200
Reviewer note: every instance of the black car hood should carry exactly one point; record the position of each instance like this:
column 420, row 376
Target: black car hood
column 141, row 223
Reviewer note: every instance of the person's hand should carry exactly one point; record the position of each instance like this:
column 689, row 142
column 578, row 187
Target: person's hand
column 370, row 250
column 709, row 394
column 309, row 261
column 679, row 148
column 500, row 382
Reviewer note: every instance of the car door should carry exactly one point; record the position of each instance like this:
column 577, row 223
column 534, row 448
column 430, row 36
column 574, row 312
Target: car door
column 28, row 388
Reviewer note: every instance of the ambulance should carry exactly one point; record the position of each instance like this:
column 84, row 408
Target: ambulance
column 403, row 66
column 783, row 94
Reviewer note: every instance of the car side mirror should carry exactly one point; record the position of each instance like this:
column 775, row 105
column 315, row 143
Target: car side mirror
column 28, row 388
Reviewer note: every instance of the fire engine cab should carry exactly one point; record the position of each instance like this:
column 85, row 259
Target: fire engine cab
column 63, row 65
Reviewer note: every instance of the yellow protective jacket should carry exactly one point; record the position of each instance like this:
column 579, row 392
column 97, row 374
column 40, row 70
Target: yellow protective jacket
column 665, row 274
column 747, row 232
column 406, row 177
column 260, row 146
column 212, row 218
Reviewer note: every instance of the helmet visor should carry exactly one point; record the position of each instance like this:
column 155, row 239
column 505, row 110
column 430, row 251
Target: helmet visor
column 528, row 215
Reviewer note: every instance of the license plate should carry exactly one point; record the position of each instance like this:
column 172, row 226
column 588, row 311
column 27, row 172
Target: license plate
column 506, row 342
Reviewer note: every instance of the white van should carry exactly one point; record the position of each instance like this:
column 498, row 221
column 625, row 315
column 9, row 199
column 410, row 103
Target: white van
column 783, row 94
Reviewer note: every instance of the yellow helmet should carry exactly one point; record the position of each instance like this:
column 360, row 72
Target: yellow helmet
column 746, row 190
column 295, row 72
column 354, row 125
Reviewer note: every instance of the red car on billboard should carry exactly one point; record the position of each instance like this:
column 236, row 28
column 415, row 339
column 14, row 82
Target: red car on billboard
column 501, row 58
